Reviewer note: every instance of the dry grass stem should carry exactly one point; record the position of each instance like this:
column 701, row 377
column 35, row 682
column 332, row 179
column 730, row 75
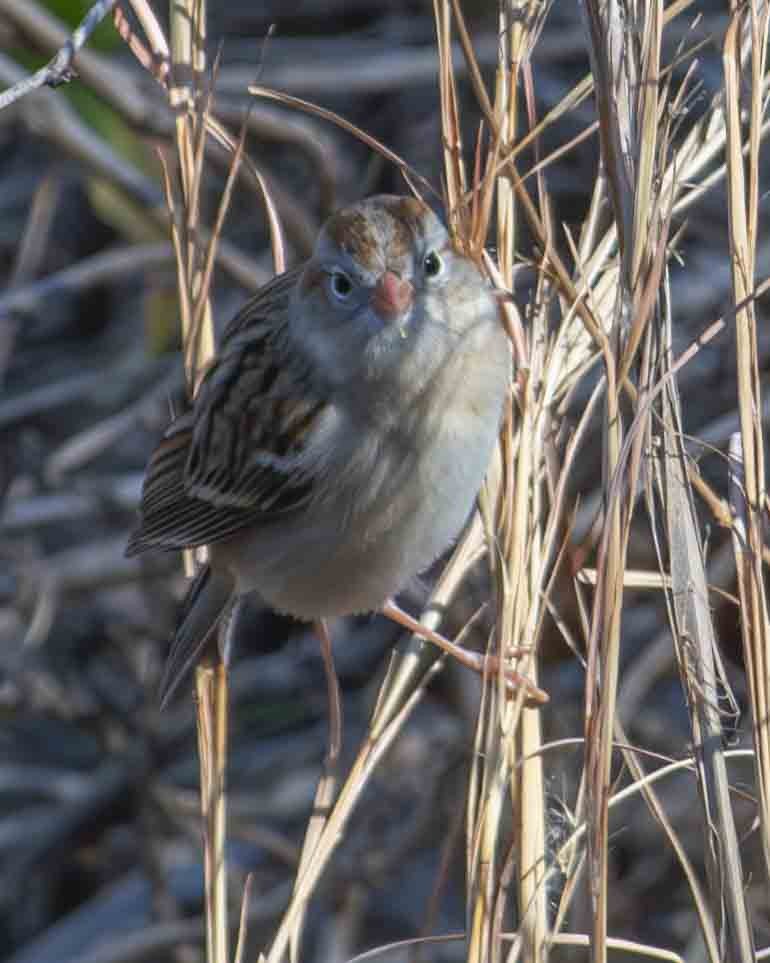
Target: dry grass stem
column 212, row 713
column 327, row 784
column 749, row 28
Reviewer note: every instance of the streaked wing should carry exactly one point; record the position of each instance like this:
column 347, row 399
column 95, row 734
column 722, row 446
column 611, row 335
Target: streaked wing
column 270, row 302
column 235, row 457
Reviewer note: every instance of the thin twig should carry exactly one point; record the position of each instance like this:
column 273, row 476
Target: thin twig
column 59, row 70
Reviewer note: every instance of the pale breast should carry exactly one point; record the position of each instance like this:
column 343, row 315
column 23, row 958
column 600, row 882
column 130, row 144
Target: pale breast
column 393, row 503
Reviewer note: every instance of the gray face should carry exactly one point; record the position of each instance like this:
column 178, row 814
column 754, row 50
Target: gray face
column 395, row 297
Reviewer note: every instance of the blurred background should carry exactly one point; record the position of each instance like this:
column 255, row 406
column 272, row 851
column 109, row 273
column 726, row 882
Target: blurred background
column 99, row 834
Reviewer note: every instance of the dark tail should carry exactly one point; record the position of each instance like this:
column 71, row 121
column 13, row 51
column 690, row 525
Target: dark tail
column 207, row 599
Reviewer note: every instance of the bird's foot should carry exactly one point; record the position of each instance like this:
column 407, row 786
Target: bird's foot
column 488, row 666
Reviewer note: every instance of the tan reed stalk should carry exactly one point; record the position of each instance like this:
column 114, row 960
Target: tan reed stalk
column 507, row 773
column 749, row 27
column 210, row 677
column 188, row 65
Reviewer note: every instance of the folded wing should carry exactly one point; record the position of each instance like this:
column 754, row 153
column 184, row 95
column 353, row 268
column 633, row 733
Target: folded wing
column 235, row 457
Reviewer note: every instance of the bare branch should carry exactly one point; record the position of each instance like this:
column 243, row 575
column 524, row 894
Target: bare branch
column 59, row 69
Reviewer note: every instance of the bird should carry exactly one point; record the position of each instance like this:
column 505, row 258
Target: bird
column 338, row 439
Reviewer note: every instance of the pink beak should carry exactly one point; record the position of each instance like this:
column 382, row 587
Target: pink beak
column 392, row 296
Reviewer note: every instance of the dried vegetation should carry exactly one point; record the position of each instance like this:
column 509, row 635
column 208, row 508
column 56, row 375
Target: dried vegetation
column 604, row 165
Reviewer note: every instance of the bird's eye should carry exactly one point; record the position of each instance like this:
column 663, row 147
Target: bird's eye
column 432, row 264
column 341, row 285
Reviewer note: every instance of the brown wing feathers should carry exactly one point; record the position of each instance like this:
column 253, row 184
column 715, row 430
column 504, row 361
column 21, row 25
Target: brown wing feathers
column 170, row 516
column 231, row 459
